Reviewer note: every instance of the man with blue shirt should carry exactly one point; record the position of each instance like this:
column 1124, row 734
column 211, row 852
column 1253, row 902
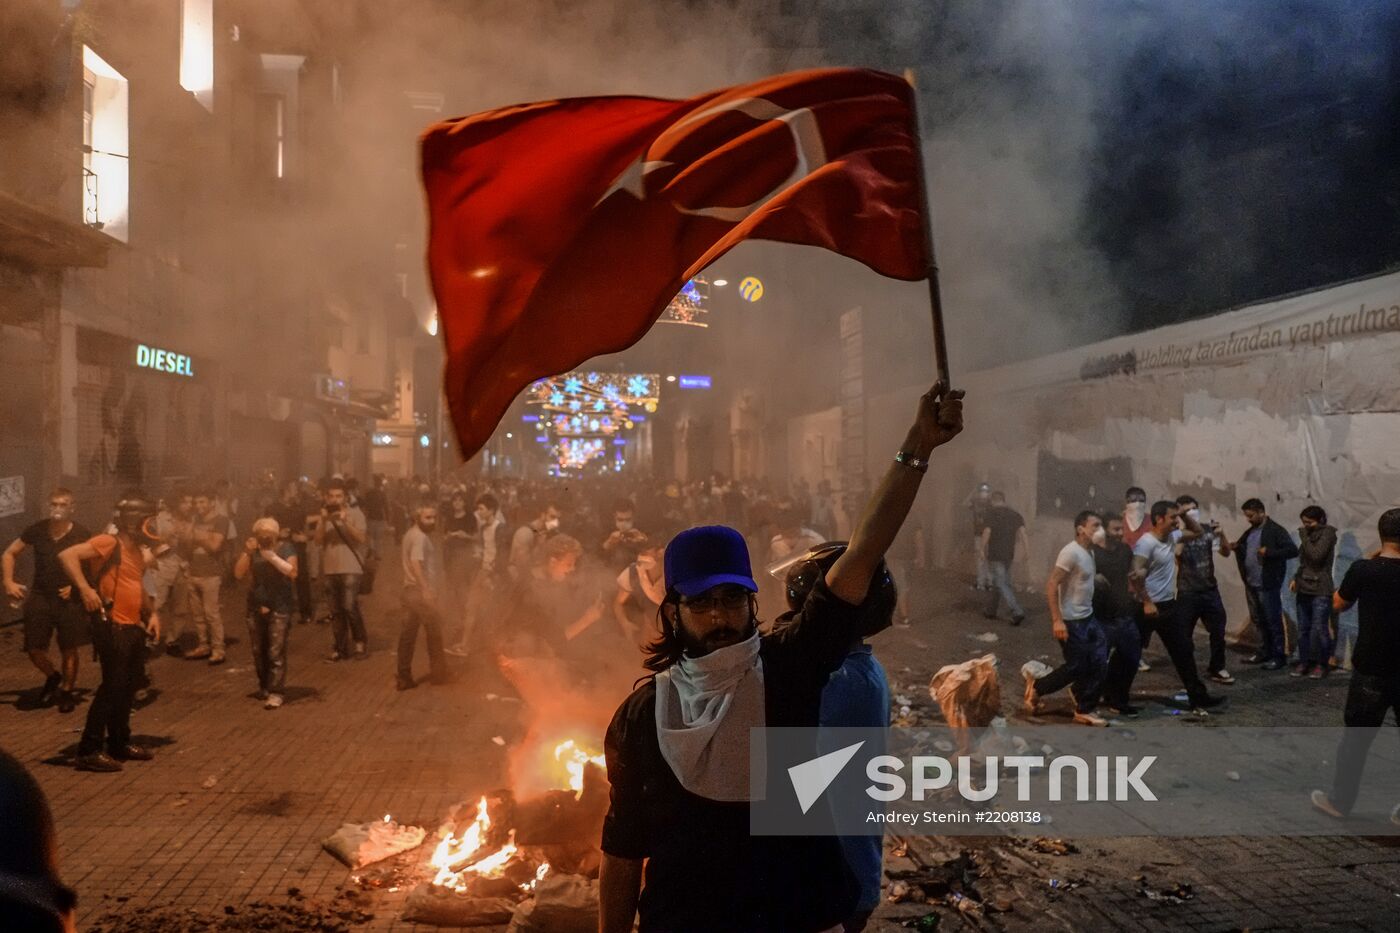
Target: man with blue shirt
column 1155, row 576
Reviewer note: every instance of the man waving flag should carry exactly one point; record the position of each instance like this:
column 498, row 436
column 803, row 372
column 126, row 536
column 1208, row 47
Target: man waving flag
column 561, row 230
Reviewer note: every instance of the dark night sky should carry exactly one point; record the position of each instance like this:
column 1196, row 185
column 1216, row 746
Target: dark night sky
column 1238, row 151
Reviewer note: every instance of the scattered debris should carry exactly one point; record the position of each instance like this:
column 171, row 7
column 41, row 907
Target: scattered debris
column 498, row 740
column 1177, row 894
column 361, row 844
column 1232, row 775
column 968, row 693
column 1050, row 846
column 561, row 904
column 209, row 782
column 928, row 923
column 988, row 638
column 339, row 916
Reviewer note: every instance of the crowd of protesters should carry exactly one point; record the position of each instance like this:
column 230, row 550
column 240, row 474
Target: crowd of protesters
column 1151, row 570
column 569, row 570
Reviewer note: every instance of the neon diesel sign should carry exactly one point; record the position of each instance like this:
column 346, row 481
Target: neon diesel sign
column 164, row 360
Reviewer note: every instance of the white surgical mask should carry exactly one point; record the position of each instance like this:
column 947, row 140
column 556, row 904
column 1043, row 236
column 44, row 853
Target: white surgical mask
column 551, row 524
column 1194, row 514
column 1134, row 512
column 1099, row 536
column 59, row 514
column 624, row 524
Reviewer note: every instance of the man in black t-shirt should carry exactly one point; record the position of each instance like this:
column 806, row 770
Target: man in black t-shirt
column 680, row 784
column 1116, row 611
column 50, row 606
column 1375, row 661
column 1004, row 530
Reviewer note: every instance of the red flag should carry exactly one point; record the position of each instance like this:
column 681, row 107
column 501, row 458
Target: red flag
column 561, row 230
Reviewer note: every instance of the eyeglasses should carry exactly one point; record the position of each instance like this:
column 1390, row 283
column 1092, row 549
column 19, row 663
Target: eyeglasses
column 735, row 599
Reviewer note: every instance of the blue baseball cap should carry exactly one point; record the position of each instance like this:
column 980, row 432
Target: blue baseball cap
column 698, row 559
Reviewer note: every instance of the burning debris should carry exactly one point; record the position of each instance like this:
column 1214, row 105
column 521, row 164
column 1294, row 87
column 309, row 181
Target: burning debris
column 361, row 844
column 532, row 863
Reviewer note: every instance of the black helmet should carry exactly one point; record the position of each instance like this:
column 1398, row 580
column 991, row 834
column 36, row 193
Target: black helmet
column 803, row 574
column 135, row 514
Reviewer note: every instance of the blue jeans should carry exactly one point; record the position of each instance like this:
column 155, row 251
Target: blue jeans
column 1085, row 667
column 1125, row 651
column 1001, row 589
column 1314, row 629
column 1266, row 612
column 267, row 636
column 347, row 625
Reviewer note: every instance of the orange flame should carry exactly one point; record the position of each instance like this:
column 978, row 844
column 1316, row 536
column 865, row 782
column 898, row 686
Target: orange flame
column 575, row 759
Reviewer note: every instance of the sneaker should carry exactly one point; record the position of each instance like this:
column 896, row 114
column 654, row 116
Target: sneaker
column 1018, row 618
column 1299, row 670
column 457, row 651
column 1089, row 719
column 49, row 691
column 1123, row 711
column 260, row 695
column 1182, row 697
column 66, row 701
column 402, row 683
column 100, row 762
column 1032, row 671
column 1144, row 667
column 1256, row 658
column 1321, row 801
column 173, row 649
column 360, row 651
column 274, row 701
column 335, row 656
column 216, row 657
column 1208, row 703
column 198, row 654
column 1222, row 676
column 1318, row 673
column 1274, row 665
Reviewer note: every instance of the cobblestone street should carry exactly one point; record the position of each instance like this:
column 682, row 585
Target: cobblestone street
column 234, row 807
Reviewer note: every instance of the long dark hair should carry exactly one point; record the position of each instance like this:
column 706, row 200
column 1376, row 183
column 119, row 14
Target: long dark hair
column 668, row 648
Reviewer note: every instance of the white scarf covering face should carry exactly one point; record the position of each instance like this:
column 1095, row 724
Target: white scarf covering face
column 705, row 708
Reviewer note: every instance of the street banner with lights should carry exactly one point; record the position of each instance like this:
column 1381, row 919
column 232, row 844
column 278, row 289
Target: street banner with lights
column 561, row 230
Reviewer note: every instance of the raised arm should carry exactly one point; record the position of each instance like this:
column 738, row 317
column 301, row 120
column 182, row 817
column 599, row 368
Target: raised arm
column 939, row 420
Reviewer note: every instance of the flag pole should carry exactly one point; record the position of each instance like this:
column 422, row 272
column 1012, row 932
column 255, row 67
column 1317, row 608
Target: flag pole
column 935, row 296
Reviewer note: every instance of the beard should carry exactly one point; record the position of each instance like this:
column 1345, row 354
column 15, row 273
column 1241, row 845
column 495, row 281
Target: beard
column 720, row 637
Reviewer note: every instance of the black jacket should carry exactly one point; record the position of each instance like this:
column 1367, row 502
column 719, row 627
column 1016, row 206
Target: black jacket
column 1279, row 550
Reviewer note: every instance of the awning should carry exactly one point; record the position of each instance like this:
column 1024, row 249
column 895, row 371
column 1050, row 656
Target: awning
column 37, row 238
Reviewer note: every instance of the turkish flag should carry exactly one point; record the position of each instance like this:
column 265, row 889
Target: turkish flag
column 561, row 230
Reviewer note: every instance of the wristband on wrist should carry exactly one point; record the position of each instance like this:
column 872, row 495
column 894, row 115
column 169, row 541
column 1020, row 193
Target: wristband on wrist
column 911, row 461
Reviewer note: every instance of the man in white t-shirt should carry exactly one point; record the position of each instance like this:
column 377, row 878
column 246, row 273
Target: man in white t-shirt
column 1070, row 595
column 1154, row 576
